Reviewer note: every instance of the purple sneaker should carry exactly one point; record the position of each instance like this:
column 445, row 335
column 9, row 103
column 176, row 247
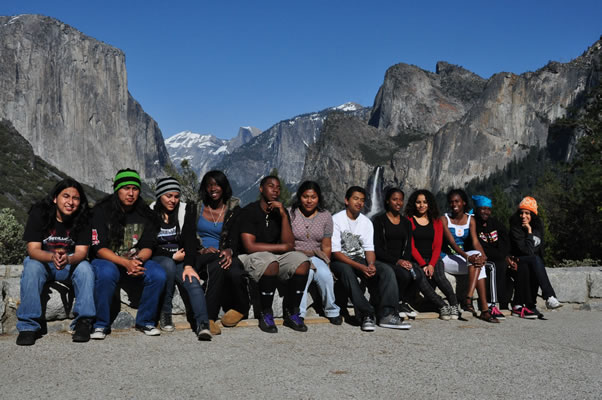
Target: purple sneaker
column 267, row 324
column 294, row 321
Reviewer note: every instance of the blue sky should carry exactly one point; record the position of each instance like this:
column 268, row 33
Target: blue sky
column 211, row 67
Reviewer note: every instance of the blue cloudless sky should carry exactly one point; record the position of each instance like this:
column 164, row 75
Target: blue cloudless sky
column 211, row 67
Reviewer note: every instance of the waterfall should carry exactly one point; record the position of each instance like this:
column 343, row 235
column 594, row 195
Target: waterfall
column 374, row 203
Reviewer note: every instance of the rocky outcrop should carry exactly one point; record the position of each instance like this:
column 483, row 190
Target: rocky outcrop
column 413, row 101
column 67, row 94
column 445, row 129
column 244, row 136
column 283, row 146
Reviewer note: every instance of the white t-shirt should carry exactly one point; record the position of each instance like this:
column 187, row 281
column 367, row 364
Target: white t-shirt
column 352, row 237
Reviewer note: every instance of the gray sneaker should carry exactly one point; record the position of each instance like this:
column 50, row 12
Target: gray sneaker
column 368, row 324
column 445, row 313
column 392, row 321
column 166, row 322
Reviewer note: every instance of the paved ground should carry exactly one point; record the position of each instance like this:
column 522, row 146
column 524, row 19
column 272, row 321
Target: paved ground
column 560, row 358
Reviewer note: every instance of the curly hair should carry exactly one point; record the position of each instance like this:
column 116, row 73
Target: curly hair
column 433, row 210
column 307, row 185
column 48, row 209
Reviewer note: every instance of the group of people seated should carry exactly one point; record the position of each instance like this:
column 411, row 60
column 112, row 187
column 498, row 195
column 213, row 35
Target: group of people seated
column 222, row 256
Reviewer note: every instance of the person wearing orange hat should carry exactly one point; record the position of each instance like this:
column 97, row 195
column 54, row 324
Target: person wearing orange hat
column 526, row 240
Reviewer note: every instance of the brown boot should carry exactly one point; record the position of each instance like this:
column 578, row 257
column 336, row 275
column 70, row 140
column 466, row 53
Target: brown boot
column 214, row 328
column 231, row 318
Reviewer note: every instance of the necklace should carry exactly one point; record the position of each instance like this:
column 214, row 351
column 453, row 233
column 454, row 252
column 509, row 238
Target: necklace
column 308, row 221
column 216, row 221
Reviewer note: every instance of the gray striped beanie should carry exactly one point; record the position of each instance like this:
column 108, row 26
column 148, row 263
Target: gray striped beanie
column 166, row 185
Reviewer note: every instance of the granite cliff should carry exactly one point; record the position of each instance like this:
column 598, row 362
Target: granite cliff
column 282, row 146
column 443, row 129
column 64, row 90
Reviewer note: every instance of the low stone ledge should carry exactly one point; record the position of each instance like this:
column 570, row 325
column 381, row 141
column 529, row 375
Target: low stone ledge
column 580, row 285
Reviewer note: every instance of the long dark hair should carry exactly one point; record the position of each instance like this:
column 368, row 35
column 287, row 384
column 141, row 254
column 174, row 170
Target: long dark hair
column 462, row 195
column 389, row 193
column 222, row 181
column 433, row 210
column 116, row 213
column 536, row 223
column 307, row 185
column 160, row 210
column 48, row 208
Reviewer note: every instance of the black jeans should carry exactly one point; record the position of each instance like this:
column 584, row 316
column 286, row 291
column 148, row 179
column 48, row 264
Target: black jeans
column 531, row 274
column 225, row 288
column 382, row 288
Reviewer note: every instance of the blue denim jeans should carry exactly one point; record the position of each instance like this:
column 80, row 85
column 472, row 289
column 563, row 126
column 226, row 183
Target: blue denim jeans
column 107, row 277
column 193, row 289
column 323, row 278
column 36, row 274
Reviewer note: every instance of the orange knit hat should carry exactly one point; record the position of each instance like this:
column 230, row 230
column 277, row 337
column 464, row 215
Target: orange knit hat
column 528, row 203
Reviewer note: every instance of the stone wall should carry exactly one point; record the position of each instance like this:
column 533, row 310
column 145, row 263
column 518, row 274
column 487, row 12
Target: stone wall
column 581, row 286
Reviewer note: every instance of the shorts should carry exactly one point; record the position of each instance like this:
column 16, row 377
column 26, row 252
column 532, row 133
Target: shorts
column 255, row 264
column 455, row 264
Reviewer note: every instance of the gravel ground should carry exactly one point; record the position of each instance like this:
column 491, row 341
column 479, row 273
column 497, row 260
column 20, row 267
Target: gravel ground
column 560, row 358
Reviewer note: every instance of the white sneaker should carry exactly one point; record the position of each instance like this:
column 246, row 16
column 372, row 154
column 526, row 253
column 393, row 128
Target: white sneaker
column 552, row 303
column 98, row 334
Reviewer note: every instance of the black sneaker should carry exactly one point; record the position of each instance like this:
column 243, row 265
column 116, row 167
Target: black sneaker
column 166, row 322
column 203, row 333
column 406, row 309
column 294, row 321
column 27, row 338
column 148, row 330
column 81, row 333
column 266, row 323
column 368, row 324
column 338, row 320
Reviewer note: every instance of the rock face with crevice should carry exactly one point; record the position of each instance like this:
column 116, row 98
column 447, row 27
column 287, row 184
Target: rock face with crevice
column 441, row 130
column 64, row 90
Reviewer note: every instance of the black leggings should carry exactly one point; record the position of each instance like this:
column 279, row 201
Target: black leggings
column 440, row 280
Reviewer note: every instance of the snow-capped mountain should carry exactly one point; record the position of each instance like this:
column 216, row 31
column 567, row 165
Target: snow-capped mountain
column 201, row 151
column 204, row 151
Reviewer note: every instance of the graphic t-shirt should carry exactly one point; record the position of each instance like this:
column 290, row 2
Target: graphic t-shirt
column 58, row 236
column 168, row 239
column 352, row 237
column 138, row 232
